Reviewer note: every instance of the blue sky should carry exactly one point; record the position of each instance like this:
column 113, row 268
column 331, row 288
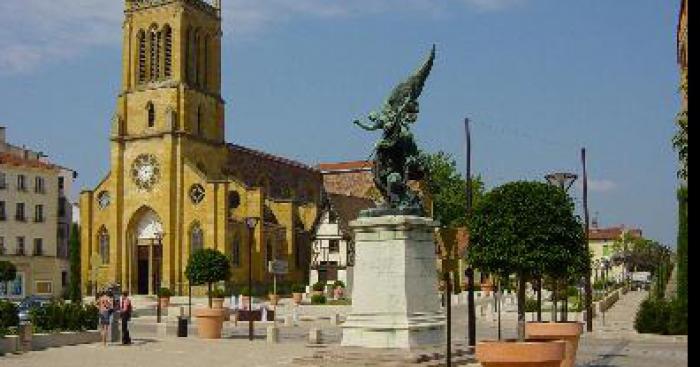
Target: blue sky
column 539, row 78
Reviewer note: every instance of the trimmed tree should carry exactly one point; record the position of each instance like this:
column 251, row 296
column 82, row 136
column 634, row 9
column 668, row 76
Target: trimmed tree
column 8, row 271
column 208, row 266
column 524, row 228
column 74, row 258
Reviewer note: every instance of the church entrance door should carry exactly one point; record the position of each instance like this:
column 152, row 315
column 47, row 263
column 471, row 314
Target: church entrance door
column 146, row 263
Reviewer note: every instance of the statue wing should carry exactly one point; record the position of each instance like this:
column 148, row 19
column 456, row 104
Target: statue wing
column 413, row 87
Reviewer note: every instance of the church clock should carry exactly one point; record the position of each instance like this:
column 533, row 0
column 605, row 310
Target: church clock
column 145, row 171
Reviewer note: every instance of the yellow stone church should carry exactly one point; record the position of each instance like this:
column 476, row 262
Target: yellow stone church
column 175, row 185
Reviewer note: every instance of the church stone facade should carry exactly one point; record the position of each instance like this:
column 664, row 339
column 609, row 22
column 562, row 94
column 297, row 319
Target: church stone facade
column 175, row 185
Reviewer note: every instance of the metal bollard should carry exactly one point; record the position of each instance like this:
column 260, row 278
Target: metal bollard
column 25, row 337
column 115, row 333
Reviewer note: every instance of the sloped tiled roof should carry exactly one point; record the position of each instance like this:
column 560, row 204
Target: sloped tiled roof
column 14, row 160
column 348, row 209
column 613, row 233
column 345, row 166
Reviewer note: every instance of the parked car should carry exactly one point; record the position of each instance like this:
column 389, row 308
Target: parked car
column 29, row 303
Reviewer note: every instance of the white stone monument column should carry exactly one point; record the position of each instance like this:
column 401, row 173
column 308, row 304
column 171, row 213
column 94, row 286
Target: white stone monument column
column 395, row 302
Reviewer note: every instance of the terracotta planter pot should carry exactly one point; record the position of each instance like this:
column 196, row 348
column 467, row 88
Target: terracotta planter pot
column 274, row 299
column 217, row 303
column 164, row 302
column 209, row 322
column 297, row 297
column 487, row 289
column 569, row 332
column 517, row 354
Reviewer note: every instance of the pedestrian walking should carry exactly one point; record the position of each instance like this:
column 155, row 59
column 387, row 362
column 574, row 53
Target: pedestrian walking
column 126, row 309
column 106, row 307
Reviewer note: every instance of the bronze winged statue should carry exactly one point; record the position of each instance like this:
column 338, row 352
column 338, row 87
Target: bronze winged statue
column 397, row 159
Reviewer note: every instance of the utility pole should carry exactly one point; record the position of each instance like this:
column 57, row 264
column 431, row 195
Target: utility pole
column 471, row 308
column 589, row 287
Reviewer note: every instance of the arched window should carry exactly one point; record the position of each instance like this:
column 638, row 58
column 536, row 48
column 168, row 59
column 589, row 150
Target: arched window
column 155, row 52
column 151, row 114
column 142, row 56
column 103, row 242
column 188, row 55
column 195, row 57
column 205, row 63
column 168, row 52
column 196, row 239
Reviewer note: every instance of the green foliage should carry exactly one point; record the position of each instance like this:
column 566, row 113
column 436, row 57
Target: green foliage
column 652, row 317
column 318, row 299
column 298, row 288
column 682, row 247
column 680, row 142
column 647, row 255
column 527, row 228
column 58, row 316
column 207, row 266
column 319, row 287
column 678, row 318
column 339, row 283
column 531, row 305
column 8, row 271
column 448, row 190
column 218, row 293
column 73, row 291
column 165, row 293
column 8, row 317
column 245, row 291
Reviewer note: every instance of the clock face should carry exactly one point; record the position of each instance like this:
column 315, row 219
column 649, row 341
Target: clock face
column 104, row 199
column 145, row 171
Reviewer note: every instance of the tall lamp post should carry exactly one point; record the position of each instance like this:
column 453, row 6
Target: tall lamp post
column 564, row 181
column 159, row 311
column 251, row 223
column 471, row 308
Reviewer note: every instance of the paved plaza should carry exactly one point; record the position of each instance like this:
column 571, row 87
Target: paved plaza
column 614, row 344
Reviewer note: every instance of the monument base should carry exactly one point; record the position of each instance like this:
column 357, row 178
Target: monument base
column 396, row 303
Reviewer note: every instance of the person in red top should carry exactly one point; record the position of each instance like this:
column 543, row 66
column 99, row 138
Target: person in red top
column 126, row 310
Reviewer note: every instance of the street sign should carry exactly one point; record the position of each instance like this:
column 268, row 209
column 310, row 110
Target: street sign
column 278, row 267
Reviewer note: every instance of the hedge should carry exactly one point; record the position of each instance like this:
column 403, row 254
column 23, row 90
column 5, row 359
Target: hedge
column 58, row 316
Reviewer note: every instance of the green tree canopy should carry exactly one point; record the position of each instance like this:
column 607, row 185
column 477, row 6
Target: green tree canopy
column 448, row 189
column 528, row 229
column 8, row 271
column 208, row 266
column 74, row 258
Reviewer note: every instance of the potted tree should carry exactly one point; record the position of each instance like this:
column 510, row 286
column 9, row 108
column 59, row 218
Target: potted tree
column 208, row 266
column 566, row 263
column 298, row 293
column 512, row 228
column 318, row 289
column 164, row 295
column 218, row 296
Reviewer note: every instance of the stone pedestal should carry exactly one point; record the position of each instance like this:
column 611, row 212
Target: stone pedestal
column 395, row 297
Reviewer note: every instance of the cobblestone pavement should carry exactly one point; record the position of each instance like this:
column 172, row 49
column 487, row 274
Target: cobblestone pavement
column 613, row 344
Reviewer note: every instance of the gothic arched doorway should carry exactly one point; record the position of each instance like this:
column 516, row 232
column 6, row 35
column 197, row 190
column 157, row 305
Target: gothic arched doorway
column 145, row 240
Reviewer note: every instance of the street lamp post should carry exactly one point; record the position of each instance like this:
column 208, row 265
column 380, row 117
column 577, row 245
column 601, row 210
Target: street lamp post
column 564, row 181
column 251, row 223
column 159, row 311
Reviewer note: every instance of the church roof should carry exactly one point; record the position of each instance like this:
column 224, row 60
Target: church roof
column 273, row 158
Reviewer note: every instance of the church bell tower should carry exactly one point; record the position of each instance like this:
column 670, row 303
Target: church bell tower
column 171, row 74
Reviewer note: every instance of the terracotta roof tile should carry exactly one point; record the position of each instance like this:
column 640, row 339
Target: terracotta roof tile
column 13, row 160
column 613, row 233
column 345, row 166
